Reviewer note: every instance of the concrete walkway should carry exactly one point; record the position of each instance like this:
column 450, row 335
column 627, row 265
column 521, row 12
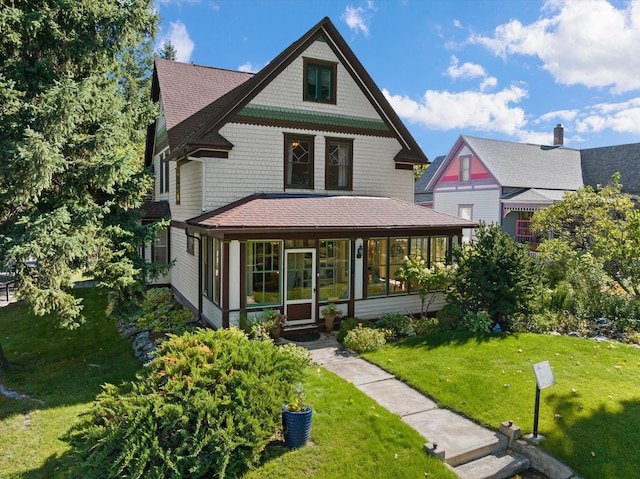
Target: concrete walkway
column 470, row 450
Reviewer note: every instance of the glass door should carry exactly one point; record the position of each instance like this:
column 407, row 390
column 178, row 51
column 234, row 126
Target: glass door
column 300, row 291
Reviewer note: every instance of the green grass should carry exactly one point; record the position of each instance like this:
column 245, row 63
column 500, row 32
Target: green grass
column 63, row 368
column 350, row 438
column 591, row 416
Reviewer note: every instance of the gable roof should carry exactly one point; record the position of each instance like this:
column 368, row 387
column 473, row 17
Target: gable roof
column 186, row 89
column 420, row 192
column 285, row 212
column 525, row 165
column 201, row 129
column 599, row 165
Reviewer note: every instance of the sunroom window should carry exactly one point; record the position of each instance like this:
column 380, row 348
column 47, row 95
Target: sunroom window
column 263, row 273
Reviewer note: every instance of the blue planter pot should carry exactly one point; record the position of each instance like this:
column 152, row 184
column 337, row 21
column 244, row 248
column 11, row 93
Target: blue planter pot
column 296, row 427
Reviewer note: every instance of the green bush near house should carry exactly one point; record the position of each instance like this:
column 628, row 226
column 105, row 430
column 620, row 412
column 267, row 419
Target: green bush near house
column 352, row 323
column 206, row 406
column 161, row 313
column 363, row 340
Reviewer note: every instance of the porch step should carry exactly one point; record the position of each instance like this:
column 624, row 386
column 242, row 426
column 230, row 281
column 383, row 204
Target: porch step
column 500, row 465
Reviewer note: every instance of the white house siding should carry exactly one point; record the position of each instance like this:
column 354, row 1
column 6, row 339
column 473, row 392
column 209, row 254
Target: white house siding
column 211, row 313
column 485, row 202
column 184, row 273
column 374, row 308
column 260, row 151
column 190, row 190
column 286, row 91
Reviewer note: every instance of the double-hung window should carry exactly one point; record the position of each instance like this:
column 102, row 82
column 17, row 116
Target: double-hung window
column 298, row 161
column 338, row 164
column 320, row 81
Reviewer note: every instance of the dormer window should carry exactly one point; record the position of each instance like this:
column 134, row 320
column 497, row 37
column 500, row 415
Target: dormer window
column 320, row 81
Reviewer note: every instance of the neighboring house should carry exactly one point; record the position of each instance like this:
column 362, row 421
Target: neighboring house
column 290, row 188
column 505, row 183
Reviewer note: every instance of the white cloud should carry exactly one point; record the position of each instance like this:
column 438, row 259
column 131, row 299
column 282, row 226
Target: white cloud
column 621, row 117
column 587, row 42
column 354, row 17
column 558, row 116
column 466, row 71
column 443, row 110
column 248, row 68
column 470, row 71
column 179, row 38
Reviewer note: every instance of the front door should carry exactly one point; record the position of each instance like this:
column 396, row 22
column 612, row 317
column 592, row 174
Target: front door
column 300, row 281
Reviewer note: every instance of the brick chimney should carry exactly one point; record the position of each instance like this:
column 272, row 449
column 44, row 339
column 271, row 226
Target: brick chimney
column 558, row 135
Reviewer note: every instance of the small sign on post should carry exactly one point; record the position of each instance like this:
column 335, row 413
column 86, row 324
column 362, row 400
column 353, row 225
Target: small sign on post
column 544, row 379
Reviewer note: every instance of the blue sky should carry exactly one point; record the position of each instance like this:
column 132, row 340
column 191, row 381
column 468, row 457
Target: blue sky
column 501, row 69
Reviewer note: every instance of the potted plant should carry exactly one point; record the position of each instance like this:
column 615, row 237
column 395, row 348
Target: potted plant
column 274, row 322
column 330, row 313
column 296, row 419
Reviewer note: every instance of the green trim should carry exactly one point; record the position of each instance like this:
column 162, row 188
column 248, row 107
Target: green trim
column 301, row 116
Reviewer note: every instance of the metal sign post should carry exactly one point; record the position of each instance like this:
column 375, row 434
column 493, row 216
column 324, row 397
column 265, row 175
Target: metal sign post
column 544, row 379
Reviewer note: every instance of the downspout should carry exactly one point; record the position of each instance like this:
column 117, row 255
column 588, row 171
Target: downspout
column 199, row 271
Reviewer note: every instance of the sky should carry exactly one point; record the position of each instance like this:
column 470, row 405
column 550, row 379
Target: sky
column 501, row 69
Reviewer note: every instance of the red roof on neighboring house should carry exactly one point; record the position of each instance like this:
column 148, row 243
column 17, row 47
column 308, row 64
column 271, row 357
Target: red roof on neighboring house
column 302, row 212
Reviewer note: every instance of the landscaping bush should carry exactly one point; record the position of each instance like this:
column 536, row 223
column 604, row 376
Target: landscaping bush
column 425, row 325
column 401, row 326
column 206, row 406
column 475, row 322
column 161, row 313
column 298, row 353
column 349, row 324
column 363, row 339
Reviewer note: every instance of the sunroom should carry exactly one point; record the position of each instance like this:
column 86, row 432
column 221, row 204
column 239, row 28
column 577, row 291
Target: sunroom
column 297, row 253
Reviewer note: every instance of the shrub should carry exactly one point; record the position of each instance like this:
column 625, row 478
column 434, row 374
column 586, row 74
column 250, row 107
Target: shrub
column 401, row 326
column 159, row 312
column 206, row 406
column 298, row 353
column 349, row 324
column 479, row 322
column 363, row 340
column 424, row 326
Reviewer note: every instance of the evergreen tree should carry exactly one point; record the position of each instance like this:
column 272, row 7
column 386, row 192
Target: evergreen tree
column 74, row 105
column 495, row 275
column 167, row 52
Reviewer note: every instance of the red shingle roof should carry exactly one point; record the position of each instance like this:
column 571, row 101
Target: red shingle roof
column 186, row 89
column 325, row 212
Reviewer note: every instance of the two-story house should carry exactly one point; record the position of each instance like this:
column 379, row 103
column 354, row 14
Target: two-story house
column 504, row 182
column 288, row 189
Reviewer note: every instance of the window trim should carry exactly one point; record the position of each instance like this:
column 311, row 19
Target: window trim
column 466, row 161
column 288, row 139
column 345, row 141
column 322, row 64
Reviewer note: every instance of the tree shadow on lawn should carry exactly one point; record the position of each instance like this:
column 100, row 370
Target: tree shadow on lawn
column 455, row 338
column 58, row 366
column 596, row 443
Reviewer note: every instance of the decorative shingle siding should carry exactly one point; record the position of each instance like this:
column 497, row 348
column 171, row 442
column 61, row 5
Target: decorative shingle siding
column 286, row 90
column 256, row 164
column 190, row 191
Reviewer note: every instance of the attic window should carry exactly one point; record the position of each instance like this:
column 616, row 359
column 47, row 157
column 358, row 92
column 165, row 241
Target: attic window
column 320, row 81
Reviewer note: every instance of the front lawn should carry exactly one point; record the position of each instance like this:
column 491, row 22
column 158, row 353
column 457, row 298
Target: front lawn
column 351, row 436
column 63, row 368
column 591, row 417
